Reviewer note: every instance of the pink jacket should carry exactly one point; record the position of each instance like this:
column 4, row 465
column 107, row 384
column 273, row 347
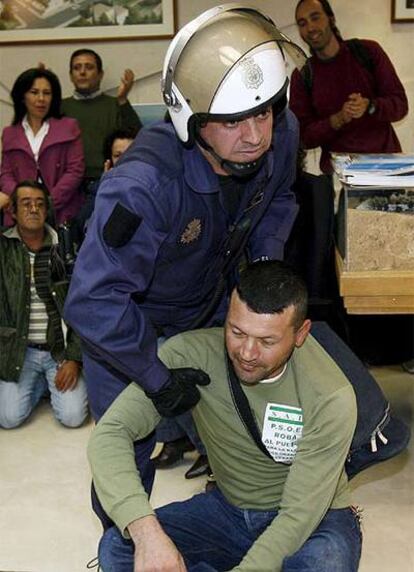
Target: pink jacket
column 61, row 164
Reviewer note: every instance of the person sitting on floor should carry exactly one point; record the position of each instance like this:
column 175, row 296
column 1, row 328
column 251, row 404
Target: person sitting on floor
column 33, row 284
column 281, row 425
column 282, row 500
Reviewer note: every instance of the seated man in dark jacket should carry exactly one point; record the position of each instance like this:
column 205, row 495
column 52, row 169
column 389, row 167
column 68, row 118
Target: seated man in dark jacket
column 33, row 284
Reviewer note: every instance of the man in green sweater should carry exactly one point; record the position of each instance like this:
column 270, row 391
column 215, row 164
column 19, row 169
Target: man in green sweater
column 98, row 114
column 282, row 500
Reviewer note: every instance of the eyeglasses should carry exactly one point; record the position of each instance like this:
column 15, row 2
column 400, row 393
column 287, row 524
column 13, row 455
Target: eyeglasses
column 32, row 204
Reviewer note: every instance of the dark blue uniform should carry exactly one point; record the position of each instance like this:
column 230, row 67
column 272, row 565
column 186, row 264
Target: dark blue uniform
column 155, row 246
column 155, row 249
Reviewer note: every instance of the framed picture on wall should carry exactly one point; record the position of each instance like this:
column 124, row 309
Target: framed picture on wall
column 402, row 11
column 28, row 21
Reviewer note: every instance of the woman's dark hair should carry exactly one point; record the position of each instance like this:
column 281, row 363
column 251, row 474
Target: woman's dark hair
column 272, row 286
column 23, row 84
column 327, row 8
column 126, row 133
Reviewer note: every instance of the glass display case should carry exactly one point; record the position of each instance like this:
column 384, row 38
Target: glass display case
column 375, row 228
column 375, row 249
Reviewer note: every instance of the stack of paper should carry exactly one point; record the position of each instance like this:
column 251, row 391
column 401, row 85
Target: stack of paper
column 391, row 170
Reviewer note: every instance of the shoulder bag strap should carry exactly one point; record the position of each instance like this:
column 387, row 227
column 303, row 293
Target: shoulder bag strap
column 243, row 408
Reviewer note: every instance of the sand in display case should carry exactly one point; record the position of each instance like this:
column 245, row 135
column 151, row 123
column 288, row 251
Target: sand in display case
column 375, row 229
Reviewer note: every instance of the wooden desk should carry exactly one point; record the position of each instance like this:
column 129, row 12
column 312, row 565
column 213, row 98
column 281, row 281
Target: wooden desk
column 376, row 291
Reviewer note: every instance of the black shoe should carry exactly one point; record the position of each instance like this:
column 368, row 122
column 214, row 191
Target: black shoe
column 200, row 467
column 172, row 452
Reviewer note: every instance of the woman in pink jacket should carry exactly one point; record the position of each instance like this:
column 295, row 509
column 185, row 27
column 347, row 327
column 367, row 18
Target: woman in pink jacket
column 42, row 145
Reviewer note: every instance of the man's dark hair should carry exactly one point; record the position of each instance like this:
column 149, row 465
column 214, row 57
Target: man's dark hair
column 327, row 8
column 272, row 286
column 126, row 133
column 83, row 52
column 32, row 185
column 23, row 84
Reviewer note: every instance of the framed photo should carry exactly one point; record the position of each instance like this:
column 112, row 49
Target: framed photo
column 402, row 11
column 28, row 21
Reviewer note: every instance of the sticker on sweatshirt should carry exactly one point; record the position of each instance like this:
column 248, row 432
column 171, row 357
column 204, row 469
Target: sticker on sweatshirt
column 282, row 429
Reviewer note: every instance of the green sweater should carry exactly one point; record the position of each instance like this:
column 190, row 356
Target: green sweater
column 312, row 391
column 98, row 118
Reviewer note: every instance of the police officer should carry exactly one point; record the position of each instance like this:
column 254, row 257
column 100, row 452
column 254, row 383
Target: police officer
column 173, row 218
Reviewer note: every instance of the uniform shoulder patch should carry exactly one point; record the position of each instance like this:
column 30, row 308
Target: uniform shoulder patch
column 120, row 226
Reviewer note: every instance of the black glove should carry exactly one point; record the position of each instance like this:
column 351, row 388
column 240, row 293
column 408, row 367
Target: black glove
column 180, row 393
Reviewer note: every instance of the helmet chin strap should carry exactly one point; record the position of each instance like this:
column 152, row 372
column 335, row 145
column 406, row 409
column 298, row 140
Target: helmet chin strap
column 232, row 167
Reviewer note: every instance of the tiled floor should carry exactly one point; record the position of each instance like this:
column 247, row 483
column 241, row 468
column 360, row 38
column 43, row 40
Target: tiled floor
column 46, row 524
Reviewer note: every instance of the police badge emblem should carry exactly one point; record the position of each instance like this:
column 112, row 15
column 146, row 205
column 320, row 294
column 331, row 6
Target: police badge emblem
column 253, row 75
column 191, row 232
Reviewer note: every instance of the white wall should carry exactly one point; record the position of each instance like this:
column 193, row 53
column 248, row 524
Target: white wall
column 355, row 18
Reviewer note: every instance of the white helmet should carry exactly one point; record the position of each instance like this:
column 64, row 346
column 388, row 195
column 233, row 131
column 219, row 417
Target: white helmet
column 225, row 64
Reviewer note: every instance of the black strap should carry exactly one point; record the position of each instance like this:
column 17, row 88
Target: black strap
column 243, row 408
column 361, row 53
column 307, row 76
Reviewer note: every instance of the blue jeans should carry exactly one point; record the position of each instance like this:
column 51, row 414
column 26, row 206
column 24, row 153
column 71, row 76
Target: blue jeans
column 213, row 536
column 17, row 400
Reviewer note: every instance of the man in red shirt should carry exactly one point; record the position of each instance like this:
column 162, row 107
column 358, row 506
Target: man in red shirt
column 348, row 94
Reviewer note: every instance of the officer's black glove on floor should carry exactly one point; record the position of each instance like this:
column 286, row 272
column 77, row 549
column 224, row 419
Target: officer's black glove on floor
column 181, row 392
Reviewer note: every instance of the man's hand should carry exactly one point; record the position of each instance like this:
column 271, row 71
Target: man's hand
column 67, row 375
column 344, row 116
column 154, row 550
column 180, row 393
column 357, row 105
column 125, row 86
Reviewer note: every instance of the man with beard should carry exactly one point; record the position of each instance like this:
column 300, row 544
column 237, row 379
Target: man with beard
column 348, row 94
